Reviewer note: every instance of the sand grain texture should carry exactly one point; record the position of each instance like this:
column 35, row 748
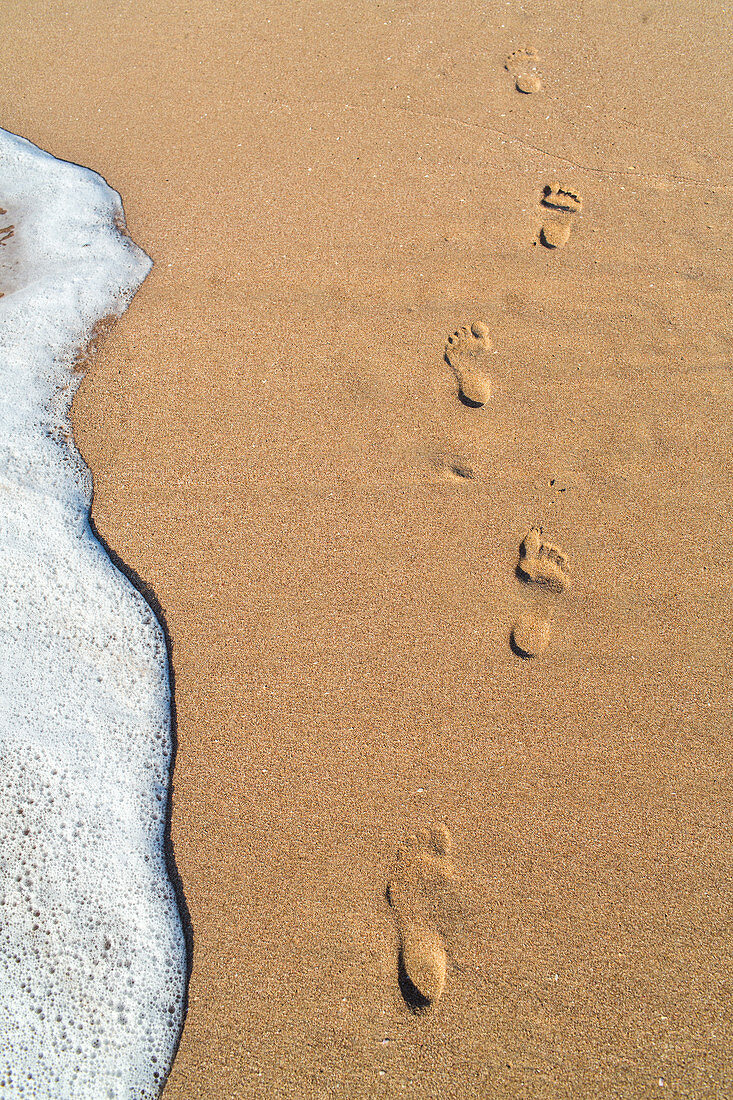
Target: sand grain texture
column 278, row 452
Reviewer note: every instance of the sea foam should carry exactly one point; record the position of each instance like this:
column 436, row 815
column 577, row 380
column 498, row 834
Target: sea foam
column 92, row 954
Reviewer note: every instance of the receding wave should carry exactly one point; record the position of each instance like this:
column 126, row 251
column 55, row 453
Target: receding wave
column 92, row 955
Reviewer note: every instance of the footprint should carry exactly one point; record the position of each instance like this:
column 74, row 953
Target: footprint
column 467, row 352
column 522, row 64
column 423, row 893
column 543, row 562
column 565, row 204
column 545, row 565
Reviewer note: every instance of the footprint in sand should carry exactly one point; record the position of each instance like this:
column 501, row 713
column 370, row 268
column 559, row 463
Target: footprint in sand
column 423, row 892
column 564, row 204
column 543, row 562
column 467, row 352
column 545, row 565
column 522, row 64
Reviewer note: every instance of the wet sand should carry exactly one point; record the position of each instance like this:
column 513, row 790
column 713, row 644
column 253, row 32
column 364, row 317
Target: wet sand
column 280, row 452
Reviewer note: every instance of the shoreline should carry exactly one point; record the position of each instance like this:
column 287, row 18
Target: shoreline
column 85, row 725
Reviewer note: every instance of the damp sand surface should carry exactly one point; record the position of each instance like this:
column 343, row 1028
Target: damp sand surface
column 281, row 452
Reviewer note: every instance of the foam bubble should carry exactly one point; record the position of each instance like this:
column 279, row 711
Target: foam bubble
column 92, row 957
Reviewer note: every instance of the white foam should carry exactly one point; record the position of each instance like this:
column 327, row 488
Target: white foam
column 92, row 957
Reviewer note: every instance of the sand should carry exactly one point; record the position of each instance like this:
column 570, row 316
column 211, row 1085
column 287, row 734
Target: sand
column 281, row 455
